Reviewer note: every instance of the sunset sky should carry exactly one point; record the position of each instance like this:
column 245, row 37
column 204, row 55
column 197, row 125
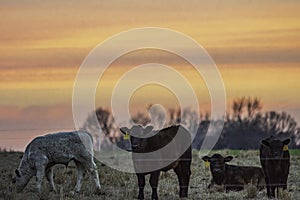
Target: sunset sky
column 255, row 44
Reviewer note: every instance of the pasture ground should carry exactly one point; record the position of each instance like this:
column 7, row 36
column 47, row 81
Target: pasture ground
column 121, row 185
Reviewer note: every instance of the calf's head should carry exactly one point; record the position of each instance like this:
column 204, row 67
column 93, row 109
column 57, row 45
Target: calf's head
column 276, row 147
column 217, row 164
column 20, row 180
column 138, row 136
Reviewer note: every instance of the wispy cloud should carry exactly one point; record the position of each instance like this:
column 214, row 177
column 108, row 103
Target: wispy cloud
column 36, row 117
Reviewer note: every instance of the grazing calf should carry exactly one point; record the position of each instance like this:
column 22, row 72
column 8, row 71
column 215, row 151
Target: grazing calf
column 231, row 176
column 275, row 161
column 43, row 152
column 178, row 156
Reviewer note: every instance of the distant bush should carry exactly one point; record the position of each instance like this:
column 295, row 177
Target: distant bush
column 4, row 150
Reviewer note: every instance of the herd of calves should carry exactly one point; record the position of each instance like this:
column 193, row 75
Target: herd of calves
column 43, row 152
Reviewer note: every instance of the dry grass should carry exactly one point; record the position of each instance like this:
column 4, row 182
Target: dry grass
column 121, row 185
column 251, row 191
column 284, row 195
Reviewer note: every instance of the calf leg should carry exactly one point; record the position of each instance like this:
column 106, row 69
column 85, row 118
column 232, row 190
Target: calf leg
column 80, row 172
column 40, row 173
column 49, row 175
column 270, row 187
column 261, row 183
column 154, row 182
column 92, row 168
column 183, row 173
column 283, row 182
column 141, row 183
column 272, row 191
column 268, row 190
column 211, row 184
column 40, row 163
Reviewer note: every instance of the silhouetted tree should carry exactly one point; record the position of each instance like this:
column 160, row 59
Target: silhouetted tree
column 141, row 119
column 245, row 109
column 174, row 116
column 106, row 132
column 279, row 123
column 248, row 125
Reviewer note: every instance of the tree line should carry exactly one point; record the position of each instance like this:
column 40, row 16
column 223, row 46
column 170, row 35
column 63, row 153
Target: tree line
column 245, row 125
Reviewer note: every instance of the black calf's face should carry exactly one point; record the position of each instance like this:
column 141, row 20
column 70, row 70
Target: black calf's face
column 138, row 136
column 137, row 143
column 276, row 147
column 217, row 163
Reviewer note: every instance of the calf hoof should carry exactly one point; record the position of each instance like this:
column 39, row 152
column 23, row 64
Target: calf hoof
column 53, row 190
column 99, row 191
column 154, row 196
column 141, row 197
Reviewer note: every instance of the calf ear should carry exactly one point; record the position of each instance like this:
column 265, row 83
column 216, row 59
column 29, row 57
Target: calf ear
column 286, row 142
column 17, row 173
column 264, row 142
column 228, row 158
column 206, row 158
column 125, row 130
column 148, row 129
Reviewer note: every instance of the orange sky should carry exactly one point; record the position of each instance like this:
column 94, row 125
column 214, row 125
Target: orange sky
column 255, row 44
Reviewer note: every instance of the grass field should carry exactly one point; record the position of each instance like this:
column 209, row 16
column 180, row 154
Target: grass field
column 121, row 185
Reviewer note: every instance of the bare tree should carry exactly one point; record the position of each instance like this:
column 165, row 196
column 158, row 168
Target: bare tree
column 105, row 120
column 174, row 116
column 102, row 129
column 141, row 119
column 245, row 109
column 276, row 123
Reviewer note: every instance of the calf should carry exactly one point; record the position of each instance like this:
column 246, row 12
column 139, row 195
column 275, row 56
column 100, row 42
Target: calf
column 231, row 176
column 275, row 161
column 43, row 152
column 178, row 155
